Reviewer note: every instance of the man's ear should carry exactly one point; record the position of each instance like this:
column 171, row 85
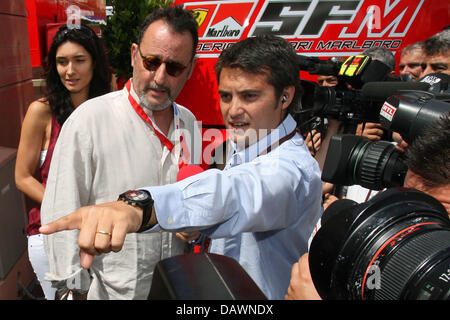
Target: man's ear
column 134, row 48
column 286, row 96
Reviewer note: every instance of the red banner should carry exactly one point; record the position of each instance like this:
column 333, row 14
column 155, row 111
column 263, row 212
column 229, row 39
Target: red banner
column 321, row 28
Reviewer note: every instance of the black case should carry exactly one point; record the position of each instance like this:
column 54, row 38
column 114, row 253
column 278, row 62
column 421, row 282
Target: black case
column 202, row 276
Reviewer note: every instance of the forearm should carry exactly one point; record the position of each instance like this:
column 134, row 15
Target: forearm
column 67, row 189
column 240, row 201
column 31, row 187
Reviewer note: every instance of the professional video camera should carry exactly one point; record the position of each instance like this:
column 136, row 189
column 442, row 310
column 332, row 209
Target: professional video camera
column 377, row 165
column 396, row 246
column 370, row 85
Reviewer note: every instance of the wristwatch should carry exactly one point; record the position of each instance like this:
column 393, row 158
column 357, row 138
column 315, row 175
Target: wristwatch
column 141, row 199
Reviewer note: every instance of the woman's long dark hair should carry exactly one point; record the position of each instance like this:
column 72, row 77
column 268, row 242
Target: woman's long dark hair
column 58, row 96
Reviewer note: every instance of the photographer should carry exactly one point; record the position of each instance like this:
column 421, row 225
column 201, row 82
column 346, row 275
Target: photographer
column 372, row 130
column 317, row 129
column 431, row 176
column 429, row 164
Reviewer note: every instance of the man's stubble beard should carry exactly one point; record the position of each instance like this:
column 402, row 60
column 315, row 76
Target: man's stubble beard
column 154, row 107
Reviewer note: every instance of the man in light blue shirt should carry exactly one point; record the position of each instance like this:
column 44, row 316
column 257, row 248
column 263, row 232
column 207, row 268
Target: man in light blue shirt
column 262, row 208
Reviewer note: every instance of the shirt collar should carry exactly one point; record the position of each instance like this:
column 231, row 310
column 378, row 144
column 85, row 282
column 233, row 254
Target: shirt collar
column 150, row 113
column 136, row 97
column 236, row 156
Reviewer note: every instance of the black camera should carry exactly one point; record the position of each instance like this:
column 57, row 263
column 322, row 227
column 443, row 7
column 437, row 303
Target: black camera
column 356, row 70
column 377, row 165
column 352, row 106
column 410, row 113
column 315, row 65
column 395, row 246
column 343, row 105
column 370, row 82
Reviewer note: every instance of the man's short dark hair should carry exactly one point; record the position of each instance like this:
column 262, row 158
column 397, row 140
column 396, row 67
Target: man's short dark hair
column 429, row 155
column 265, row 54
column 178, row 18
column 438, row 43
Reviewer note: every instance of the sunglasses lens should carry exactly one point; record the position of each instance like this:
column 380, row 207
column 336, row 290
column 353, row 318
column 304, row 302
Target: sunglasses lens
column 152, row 63
column 174, row 69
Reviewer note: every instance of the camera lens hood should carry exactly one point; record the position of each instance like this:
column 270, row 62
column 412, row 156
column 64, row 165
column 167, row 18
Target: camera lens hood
column 354, row 237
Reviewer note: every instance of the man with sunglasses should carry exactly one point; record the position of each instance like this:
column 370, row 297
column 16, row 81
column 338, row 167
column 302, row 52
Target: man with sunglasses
column 123, row 140
column 259, row 210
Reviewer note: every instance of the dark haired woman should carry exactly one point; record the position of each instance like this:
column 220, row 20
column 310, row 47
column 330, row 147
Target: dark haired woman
column 77, row 70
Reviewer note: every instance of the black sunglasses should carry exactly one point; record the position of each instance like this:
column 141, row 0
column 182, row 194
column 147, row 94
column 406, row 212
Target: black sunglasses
column 152, row 63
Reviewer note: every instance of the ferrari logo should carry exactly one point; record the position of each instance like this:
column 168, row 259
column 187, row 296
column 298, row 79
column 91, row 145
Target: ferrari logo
column 200, row 15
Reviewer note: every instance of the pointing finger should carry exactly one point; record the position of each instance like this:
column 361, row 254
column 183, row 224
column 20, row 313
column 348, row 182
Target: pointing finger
column 69, row 222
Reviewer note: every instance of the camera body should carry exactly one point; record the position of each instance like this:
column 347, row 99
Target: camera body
column 364, row 85
column 377, row 165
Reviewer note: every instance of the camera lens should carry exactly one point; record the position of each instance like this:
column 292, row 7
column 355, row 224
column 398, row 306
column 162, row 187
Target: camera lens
column 395, row 246
column 357, row 160
column 375, row 165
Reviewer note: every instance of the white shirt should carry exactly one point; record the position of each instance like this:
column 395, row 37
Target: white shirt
column 104, row 149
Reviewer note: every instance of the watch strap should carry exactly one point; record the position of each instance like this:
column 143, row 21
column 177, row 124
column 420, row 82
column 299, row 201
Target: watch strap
column 146, row 215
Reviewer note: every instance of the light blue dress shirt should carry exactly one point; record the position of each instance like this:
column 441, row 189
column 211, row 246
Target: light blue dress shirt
column 260, row 210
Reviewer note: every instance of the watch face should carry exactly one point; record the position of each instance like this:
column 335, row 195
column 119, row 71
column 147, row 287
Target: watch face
column 136, row 195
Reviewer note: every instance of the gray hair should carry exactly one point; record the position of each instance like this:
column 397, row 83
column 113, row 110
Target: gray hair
column 381, row 54
column 420, row 45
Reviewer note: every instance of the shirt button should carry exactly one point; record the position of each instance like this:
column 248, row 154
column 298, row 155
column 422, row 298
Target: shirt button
column 170, row 221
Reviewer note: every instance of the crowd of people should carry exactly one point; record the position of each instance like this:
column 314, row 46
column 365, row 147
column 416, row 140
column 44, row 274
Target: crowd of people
column 431, row 176
column 417, row 60
column 112, row 158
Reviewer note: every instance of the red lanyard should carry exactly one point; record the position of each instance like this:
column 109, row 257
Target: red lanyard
column 164, row 140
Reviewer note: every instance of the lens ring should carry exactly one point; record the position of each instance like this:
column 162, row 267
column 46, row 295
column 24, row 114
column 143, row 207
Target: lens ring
column 358, row 158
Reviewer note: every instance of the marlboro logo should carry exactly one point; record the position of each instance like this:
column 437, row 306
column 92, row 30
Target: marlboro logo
column 227, row 28
column 220, row 20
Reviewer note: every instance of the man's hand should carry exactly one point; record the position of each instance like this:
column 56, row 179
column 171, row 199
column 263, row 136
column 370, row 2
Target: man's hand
column 402, row 145
column 329, row 199
column 188, row 236
column 102, row 228
column 313, row 141
column 301, row 286
column 372, row 130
